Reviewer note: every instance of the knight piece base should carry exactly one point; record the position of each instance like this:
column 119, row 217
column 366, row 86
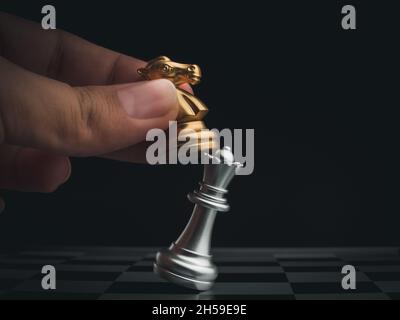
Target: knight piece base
column 194, row 134
column 186, row 268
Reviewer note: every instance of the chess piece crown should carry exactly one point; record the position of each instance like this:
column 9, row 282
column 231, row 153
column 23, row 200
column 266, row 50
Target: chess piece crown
column 216, row 178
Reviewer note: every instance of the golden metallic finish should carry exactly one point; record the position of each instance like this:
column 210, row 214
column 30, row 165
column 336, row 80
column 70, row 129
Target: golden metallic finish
column 191, row 109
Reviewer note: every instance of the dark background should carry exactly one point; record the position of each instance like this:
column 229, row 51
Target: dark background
column 323, row 103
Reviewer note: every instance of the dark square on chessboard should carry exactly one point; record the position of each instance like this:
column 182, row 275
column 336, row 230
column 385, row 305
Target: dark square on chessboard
column 244, row 273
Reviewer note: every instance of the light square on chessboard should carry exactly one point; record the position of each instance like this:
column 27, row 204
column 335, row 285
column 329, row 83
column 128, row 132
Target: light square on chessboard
column 307, row 256
column 252, row 277
column 150, row 256
column 32, row 266
column 102, row 250
column 26, row 262
column 52, row 254
column 378, row 262
column 92, row 267
column 389, row 268
column 389, row 286
column 250, row 269
column 248, row 297
column 144, row 263
column 266, row 260
column 250, row 288
column 335, row 277
column 148, row 296
column 384, row 276
column 139, row 277
column 363, row 257
column 248, row 263
column 108, row 259
column 160, row 287
column 313, row 269
column 343, row 296
column 18, row 274
column 312, row 263
column 141, row 268
column 48, row 295
column 332, row 287
column 84, row 276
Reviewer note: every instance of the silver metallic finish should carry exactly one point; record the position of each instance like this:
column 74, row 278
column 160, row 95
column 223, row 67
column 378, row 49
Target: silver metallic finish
column 187, row 262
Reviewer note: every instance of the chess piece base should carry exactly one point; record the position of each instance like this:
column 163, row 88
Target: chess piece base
column 190, row 269
column 182, row 281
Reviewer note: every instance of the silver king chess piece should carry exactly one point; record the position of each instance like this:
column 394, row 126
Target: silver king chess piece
column 188, row 262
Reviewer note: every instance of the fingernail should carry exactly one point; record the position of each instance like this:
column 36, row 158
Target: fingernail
column 148, row 99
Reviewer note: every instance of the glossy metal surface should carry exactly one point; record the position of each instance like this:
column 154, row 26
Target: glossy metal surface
column 188, row 261
column 191, row 109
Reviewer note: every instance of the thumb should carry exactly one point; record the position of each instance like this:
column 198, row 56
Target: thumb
column 42, row 113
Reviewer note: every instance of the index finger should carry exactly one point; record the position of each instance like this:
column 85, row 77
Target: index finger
column 62, row 56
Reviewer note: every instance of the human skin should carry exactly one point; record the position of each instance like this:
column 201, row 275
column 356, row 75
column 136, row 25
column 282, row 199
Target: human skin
column 62, row 96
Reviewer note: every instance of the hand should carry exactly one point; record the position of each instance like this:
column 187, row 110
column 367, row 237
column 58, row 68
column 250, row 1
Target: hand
column 62, row 96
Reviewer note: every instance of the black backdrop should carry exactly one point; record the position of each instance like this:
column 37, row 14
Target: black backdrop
column 323, row 103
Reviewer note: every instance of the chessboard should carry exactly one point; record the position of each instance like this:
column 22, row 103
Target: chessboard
column 244, row 273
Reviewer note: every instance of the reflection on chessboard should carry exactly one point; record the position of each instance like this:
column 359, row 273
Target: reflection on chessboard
column 250, row 273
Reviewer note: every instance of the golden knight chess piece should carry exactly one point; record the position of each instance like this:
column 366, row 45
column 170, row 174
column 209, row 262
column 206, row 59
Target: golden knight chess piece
column 191, row 110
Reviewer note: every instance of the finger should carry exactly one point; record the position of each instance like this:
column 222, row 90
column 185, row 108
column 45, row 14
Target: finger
column 31, row 170
column 2, row 205
column 45, row 114
column 133, row 154
column 137, row 152
column 63, row 56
